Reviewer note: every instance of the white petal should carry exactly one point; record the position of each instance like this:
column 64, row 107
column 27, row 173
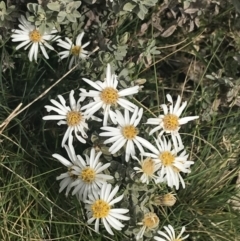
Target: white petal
column 108, row 75
column 114, row 223
column 126, row 104
column 106, row 225
column 96, row 226
column 31, row 52
column 182, row 231
column 94, row 85
column 118, row 210
column 119, row 216
column 185, row 120
column 91, row 220
column 176, row 107
column 59, row 111
column 54, row 117
column 72, row 100
column 116, row 200
column 22, row 44
column 117, row 145
column 165, row 109
column 66, row 135
column 112, row 194
column 103, row 190
column 155, row 129
column 63, row 160
column 129, row 91
column 180, row 110
column 107, row 192
column 140, row 113
column 79, row 39
column 158, row 238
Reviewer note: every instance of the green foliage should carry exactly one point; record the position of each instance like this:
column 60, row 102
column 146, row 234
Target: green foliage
column 139, row 7
column 54, row 14
column 7, row 15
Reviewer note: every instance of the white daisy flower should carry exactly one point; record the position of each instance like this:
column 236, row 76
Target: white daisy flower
column 75, row 50
column 170, row 121
column 170, row 236
column 89, row 175
column 125, row 133
column 99, row 207
column 84, row 177
column 148, row 169
column 30, row 35
column 70, row 116
column 171, row 163
column 150, row 222
column 67, row 178
column 107, row 96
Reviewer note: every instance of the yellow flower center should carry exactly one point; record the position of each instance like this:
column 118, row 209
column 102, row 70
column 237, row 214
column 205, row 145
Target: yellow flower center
column 35, row 36
column 129, row 132
column 76, row 50
column 148, row 166
column 170, row 122
column 167, row 158
column 88, row 175
column 109, row 96
column 100, row 209
column 74, row 118
column 150, row 220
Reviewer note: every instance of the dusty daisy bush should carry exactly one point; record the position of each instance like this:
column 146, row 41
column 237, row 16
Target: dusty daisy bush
column 162, row 162
column 124, row 143
column 107, row 108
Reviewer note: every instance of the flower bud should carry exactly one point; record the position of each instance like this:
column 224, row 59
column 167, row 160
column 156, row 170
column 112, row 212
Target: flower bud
column 165, row 200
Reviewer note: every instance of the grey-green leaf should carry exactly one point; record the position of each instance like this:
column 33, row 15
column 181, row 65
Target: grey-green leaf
column 71, row 18
column 129, row 7
column 61, row 16
column 55, row 6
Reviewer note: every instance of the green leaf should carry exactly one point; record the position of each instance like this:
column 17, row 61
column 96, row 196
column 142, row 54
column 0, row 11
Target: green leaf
column 236, row 4
column 3, row 6
column 141, row 15
column 54, row 6
column 32, row 7
column 143, row 8
column 72, row 6
column 61, row 16
column 31, row 19
column 57, row 26
column 77, row 4
column 71, row 18
column 150, row 3
column 10, row 9
column 129, row 7
column 76, row 14
column 124, row 38
column 37, row 23
column 42, row 28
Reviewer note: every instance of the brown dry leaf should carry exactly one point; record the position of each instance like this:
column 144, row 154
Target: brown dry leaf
column 144, row 28
column 191, row 10
column 191, row 28
column 91, row 18
column 156, row 22
column 169, row 31
column 215, row 105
